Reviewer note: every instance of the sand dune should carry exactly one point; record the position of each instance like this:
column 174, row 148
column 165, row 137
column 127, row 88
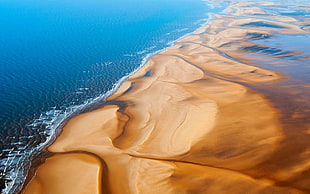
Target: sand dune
column 84, row 170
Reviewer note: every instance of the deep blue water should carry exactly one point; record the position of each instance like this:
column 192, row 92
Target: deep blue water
column 56, row 56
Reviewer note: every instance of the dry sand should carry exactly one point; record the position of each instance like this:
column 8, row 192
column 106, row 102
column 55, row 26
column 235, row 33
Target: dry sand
column 190, row 124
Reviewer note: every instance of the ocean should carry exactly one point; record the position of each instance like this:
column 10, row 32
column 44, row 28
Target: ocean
column 59, row 56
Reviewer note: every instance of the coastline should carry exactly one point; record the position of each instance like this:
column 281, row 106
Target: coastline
column 193, row 91
column 23, row 139
column 89, row 105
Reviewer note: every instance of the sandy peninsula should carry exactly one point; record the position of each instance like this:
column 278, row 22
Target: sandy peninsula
column 189, row 121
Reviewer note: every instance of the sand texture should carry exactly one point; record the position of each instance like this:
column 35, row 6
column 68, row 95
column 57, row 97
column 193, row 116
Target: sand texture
column 192, row 120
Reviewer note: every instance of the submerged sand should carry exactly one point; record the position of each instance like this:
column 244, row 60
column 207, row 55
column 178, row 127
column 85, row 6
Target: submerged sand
column 187, row 122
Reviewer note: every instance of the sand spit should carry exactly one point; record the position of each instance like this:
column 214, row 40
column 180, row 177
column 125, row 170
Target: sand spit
column 192, row 123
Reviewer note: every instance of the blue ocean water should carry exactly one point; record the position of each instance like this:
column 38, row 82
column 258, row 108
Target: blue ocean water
column 58, row 56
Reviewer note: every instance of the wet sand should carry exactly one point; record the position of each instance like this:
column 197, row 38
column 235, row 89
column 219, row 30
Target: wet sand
column 199, row 117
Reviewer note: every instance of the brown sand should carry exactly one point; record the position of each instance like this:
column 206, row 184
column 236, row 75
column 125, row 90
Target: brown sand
column 84, row 170
column 192, row 126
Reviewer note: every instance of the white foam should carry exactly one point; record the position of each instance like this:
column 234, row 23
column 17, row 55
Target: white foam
column 53, row 119
column 146, row 50
column 129, row 55
column 181, row 30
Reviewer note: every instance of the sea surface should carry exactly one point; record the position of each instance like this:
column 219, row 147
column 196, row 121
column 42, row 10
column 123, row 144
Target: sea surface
column 59, row 56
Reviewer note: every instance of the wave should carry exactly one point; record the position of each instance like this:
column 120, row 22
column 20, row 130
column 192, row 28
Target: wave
column 17, row 163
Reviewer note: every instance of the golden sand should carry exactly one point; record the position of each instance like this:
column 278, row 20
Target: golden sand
column 191, row 126
column 52, row 176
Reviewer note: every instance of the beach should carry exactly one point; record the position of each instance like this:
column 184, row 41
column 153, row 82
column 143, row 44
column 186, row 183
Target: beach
column 198, row 117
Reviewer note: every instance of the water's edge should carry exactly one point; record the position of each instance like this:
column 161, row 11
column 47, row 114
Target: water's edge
column 57, row 119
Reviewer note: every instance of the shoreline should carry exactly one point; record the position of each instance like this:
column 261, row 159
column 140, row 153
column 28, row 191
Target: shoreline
column 95, row 103
column 46, row 117
column 192, row 81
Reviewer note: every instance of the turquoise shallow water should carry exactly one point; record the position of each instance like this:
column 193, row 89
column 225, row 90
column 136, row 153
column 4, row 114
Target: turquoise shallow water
column 57, row 57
